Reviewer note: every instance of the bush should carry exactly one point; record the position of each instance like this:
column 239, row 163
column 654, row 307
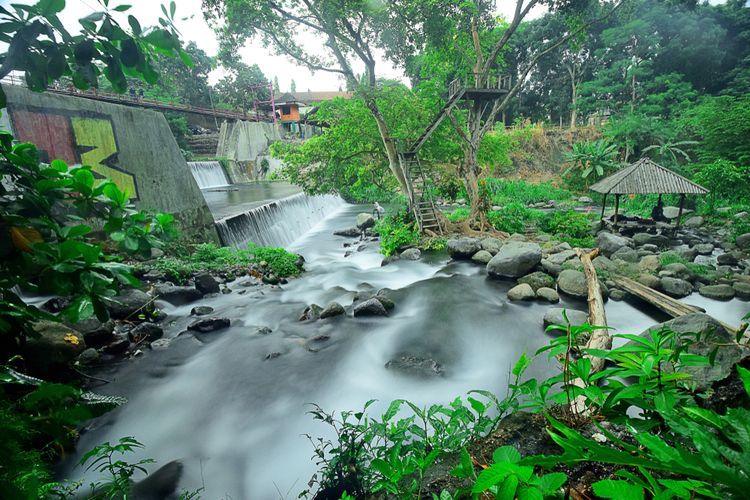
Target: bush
column 726, row 180
column 209, row 257
column 512, row 218
column 396, row 231
column 571, row 226
column 502, row 191
column 460, row 214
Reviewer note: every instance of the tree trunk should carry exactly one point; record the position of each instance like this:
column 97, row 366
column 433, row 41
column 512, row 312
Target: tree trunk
column 574, row 106
column 391, row 150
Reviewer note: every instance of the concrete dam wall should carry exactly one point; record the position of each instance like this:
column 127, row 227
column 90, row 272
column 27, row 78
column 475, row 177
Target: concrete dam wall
column 245, row 146
column 133, row 147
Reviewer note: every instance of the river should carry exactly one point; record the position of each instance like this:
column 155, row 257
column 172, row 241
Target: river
column 237, row 420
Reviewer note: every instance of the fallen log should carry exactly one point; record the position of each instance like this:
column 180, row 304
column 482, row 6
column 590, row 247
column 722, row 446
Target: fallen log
column 600, row 338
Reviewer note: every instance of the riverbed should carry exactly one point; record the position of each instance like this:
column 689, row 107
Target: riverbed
column 232, row 404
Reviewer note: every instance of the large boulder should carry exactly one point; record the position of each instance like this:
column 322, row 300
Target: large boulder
column 481, row 257
column 177, row 295
column 694, row 222
column 573, row 283
column 609, row 243
column 704, row 248
column 521, row 292
column 554, row 316
column 626, row 254
column 492, row 245
column 712, row 335
column 205, row 283
column 515, row 259
column 370, row 307
column 411, row 254
column 129, row 302
column 659, row 240
column 331, row 310
column 463, row 248
column 55, row 346
column 742, row 290
column 548, row 294
column 676, row 287
column 95, row 333
column 649, row 264
column 365, row 220
column 674, row 212
column 561, row 257
column 146, row 331
column 717, row 292
column 349, row 232
column 743, row 241
column 538, row 280
column 207, row 325
column 311, row 312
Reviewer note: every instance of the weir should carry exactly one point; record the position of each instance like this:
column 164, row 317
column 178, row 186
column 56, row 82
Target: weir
column 279, row 222
column 208, row 174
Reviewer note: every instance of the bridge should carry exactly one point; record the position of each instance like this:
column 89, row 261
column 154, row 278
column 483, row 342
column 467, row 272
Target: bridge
column 140, row 102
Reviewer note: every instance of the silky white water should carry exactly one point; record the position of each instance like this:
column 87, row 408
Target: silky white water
column 208, row 174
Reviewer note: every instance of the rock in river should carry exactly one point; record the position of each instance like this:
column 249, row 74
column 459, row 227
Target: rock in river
column 676, row 287
column 573, row 283
column 463, row 248
column 411, row 254
column 205, row 283
column 521, row 292
column 207, row 325
column 331, row 310
column 416, row 366
column 177, row 295
column 554, row 316
column 129, row 302
column 609, row 243
column 370, row 307
column 515, row 259
column 717, row 292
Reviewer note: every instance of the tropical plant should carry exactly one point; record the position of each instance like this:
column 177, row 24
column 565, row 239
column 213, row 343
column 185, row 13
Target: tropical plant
column 396, row 231
column 591, row 157
column 670, row 150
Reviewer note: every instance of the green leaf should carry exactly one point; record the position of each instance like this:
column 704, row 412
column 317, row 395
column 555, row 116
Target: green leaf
column 521, row 365
column 50, row 7
column 506, row 454
column 550, row 483
column 617, row 489
column 491, row 476
column 530, row 493
column 745, row 376
column 122, row 8
column 507, row 490
column 134, row 25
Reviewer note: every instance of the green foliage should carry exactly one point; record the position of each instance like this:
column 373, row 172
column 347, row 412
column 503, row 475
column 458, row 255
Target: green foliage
column 498, row 147
column 506, row 478
column 47, row 248
column 727, row 181
column 571, row 226
column 633, row 132
column 666, row 258
column 209, row 257
column 512, row 218
column 179, row 126
column 103, row 459
column 503, row 191
column 40, row 45
column 459, row 214
column 722, row 124
column 396, row 231
column 590, row 161
column 39, row 419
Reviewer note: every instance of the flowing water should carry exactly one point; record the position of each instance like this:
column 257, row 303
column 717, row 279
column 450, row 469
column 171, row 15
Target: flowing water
column 208, row 174
column 278, row 223
column 237, row 420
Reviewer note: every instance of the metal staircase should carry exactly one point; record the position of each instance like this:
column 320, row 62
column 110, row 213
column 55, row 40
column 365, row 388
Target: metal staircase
column 425, row 211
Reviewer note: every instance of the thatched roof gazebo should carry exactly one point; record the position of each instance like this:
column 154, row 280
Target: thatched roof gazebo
column 646, row 177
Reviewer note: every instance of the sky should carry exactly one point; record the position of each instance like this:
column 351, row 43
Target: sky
column 193, row 27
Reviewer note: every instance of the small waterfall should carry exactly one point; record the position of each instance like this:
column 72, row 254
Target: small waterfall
column 208, row 174
column 278, row 223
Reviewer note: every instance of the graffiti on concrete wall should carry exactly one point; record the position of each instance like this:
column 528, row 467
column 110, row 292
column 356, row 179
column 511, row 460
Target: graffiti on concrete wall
column 77, row 137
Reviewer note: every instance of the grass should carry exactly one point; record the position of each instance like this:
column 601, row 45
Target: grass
column 503, row 191
column 460, row 214
column 209, row 257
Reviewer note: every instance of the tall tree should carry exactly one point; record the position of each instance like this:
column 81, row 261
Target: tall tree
column 293, row 86
column 242, row 85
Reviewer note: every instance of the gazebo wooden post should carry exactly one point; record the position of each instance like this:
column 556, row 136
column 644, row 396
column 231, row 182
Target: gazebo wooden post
column 604, row 204
column 679, row 213
column 617, row 207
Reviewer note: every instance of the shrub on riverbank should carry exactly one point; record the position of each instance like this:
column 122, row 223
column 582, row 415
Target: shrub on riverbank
column 209, row 257
column 396, row 231
column 682, row 445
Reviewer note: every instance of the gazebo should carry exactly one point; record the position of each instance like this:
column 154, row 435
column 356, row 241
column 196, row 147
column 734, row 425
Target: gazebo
column 645, row 177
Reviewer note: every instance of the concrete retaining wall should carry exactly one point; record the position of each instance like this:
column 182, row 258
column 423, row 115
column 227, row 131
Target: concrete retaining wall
column 245, row 146
column 133, row 147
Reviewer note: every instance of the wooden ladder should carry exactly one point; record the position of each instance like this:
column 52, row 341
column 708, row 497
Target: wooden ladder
column 425, row 211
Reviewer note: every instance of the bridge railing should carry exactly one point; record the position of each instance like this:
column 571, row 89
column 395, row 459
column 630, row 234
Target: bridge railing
column 136, row 100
